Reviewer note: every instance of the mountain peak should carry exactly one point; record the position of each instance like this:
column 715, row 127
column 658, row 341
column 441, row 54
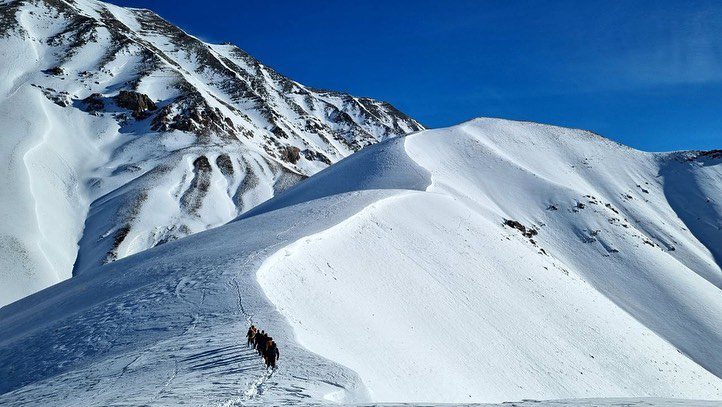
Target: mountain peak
column 562, row 267
column 138, row 103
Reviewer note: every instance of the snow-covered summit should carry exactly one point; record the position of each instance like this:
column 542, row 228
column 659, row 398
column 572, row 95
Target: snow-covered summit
column 121, row 132
column 486, row 262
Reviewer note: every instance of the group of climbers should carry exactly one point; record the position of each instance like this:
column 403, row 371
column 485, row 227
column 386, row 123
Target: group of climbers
column 264, row 345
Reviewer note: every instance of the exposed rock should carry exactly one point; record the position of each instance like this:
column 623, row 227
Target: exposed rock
column 61, row 98
column 192, row 114
column 138, row 103
column 130, row 168
column 94, row 102
column 55, row 71
column 290, row 154
column 711, row 154
column 312, row 155
column 527, row 232
column 278, row 132
column 118, row 238
column 692, row 156
column 192, row 198
column 609, row 206
column 224, row 164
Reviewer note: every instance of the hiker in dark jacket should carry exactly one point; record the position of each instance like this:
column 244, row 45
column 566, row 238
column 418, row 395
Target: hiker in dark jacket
column 261, row 339
column 271, row 354
column 269, row 341
column 251, row 336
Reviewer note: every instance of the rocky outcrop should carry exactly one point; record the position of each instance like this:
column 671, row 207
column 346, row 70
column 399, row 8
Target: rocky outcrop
column 192, row 198
column 526, row 232
column 290, row 154
column 138, row 103
column 55, row 71
column 94, row 102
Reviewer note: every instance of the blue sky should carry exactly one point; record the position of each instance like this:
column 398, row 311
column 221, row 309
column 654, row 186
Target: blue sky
column 645, row 73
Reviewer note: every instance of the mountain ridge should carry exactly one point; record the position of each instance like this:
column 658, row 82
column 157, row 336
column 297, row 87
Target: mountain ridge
column 141, row 115
column 536, row 246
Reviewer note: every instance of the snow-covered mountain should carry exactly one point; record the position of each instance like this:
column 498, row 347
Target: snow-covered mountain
column 485, row 262
column 120, row 132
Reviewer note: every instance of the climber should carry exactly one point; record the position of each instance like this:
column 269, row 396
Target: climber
column 251, row 336
column 261, row 339
column 271, row 354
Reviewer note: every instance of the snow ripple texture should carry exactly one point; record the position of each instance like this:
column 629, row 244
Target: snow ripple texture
column 486, row 262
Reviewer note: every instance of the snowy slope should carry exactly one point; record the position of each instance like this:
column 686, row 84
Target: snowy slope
column 486, row 262
column 594, row 304
column 121, row 132
column 166, row 325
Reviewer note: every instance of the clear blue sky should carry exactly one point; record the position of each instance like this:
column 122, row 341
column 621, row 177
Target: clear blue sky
column 645, row 73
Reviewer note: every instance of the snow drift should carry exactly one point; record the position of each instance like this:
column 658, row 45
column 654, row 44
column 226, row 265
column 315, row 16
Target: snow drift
column 489, row 261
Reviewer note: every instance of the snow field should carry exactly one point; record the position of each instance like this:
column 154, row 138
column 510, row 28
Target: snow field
column 430, row 298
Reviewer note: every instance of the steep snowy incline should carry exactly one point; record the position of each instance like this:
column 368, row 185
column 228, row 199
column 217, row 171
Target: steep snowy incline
column 489, row 261
column 121, row 132
column 542, row 263
column 166, row 326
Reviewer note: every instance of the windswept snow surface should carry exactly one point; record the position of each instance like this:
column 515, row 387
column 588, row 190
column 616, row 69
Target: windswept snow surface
column 120, row 132
column 392, row 277
column 167, row 326
column 429, row 297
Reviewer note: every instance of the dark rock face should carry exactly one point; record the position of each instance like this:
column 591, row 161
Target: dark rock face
column 8, row 20
column 711, row 154
column 138, row 103
column 60, row 98
column 290, row 154
column 527, row 232
column 224, row 164
column 94, row 102
column 515, row 224
column 312, row 155
column 192, row 198
column 192, row 114
column 201, row 164
column 118, row 238
column 55, row 71
column 688, row 156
